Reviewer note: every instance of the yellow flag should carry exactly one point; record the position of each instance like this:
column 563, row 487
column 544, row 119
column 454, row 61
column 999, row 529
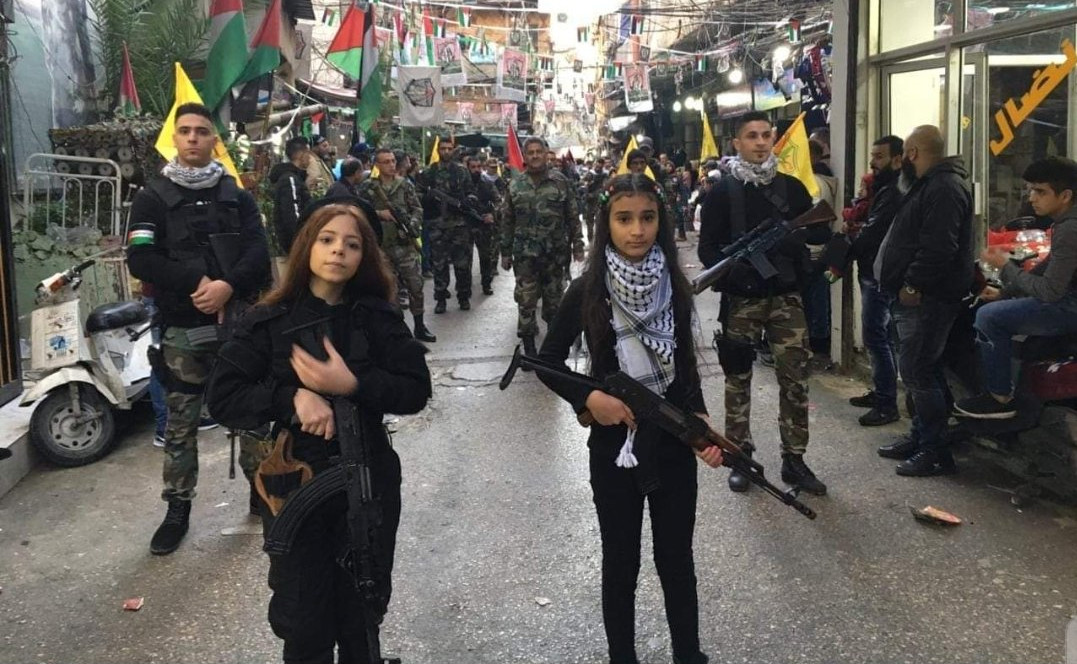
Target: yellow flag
column 710, row 148
column 375, row 172
column 434, row 156
column 623, row 168
column 186, row 94
column 794, row 158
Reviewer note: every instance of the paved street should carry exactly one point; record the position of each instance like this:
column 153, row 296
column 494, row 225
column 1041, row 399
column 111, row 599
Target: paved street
column 498, row 554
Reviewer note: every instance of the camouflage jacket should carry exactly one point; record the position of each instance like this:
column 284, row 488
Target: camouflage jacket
column 401, row 195
column 539, row 218
column 488, row 196
column 453, row 179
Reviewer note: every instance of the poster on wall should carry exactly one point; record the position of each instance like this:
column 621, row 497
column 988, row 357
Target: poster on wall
column 508, row 115
column 420, row 94
column 447, row 56
column 637, row 81
column 512, row 76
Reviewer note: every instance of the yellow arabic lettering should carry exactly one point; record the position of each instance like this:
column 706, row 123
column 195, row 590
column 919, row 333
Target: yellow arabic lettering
column 1007, row 133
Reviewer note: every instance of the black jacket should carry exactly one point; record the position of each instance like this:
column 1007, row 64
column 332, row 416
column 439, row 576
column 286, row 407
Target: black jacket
column 716, row 231
column 176, row 272
column 652, row 445
column 885, row 201
column 290, row 196
column 930, row 244
column 254, row 383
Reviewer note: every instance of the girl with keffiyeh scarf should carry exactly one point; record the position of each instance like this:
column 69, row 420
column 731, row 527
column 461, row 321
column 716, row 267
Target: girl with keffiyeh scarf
column 634, row 307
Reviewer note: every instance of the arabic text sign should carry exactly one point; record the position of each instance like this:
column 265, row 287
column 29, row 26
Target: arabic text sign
column 1044, row 81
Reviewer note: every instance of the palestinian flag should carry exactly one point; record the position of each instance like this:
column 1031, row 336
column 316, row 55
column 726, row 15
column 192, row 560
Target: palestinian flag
column 701, row 63
column 463, row 17
column 370, row 75
column 512, row 147
column 583, row 34
column 793, row 31
column 636, row 26
column 346, row 50
column 265, row 47
column 329, row 16
column 227, row 50
column 427, row 43
column 129, row 104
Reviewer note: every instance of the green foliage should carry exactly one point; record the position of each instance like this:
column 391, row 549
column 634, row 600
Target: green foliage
column 158, row 33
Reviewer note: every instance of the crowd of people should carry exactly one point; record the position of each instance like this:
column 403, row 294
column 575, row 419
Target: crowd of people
column 359, row 246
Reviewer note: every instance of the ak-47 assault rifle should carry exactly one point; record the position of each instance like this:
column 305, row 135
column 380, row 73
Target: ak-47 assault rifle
column 753, row 246
column 353, row 476
column 688, row 428
column 403, row 222
column 461, row 207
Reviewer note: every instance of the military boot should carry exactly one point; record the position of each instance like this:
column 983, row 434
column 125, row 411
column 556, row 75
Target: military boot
column 738, row 482
column 529, row 348
column 440, row 307
column 797, row 473
column 171, row 531
column 421, row 333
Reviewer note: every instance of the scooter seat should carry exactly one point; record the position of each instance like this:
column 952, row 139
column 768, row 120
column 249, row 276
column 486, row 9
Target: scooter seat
column 116, row 315
column 1041, row 349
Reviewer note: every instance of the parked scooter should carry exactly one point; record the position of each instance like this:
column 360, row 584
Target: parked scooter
column 1039, row 444
column 80, row 371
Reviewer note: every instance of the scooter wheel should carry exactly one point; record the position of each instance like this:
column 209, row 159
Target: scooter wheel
column 69, row 440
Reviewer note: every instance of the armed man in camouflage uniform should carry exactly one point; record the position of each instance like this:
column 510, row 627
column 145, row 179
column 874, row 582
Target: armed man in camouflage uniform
column 540, row 226
column 450, row 232
column 179, row 223
column 486, row 235
column 754, row 193
column 388, row 193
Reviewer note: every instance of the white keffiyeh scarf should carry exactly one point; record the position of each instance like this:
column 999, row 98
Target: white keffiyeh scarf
column 758, row 174
column 194, row 178
column 641, row 299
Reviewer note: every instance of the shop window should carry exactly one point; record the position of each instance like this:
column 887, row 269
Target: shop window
column 907, row 22
column 986, row 13
column 1022, row 110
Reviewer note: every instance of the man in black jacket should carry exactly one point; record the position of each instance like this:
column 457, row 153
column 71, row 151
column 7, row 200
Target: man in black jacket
column 886, row 198
column 290, row 193
column 198, row 238
column 753, row 193
column 926, row 261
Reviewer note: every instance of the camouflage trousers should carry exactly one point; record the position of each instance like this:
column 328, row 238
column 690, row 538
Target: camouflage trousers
column 406, row 263
column 485, row 238
column 451, row 244
column 537, row 276
column 782, row 316
column 192, row 364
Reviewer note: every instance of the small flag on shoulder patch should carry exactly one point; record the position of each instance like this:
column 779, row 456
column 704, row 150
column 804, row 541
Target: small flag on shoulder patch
column 138, row 237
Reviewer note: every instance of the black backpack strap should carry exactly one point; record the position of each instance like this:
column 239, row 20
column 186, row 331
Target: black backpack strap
column 777, row 194
column 738, row 221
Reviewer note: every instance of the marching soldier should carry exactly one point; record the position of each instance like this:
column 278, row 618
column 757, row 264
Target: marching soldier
column 450, row 232
column 391, row 195
column 540, row 229
column 485, row 236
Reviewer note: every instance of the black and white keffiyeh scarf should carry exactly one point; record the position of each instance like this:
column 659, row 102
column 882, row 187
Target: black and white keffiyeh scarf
column 641, row 300
column 193, row 178
column 758, row 174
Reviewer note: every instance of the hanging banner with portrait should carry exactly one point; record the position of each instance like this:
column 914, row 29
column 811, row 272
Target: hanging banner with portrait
column 508, row 115
column 512, row 76
column 448, row 58
column 637, row 80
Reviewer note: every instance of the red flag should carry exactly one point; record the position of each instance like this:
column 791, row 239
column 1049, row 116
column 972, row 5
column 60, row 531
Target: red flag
column 516, row 158
column 129, row 104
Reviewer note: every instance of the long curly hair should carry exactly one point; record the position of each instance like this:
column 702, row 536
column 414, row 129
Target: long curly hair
column 596, row 308
column 373, row 278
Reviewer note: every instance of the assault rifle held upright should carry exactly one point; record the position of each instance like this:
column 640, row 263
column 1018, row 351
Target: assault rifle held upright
column 753, row 245
column 688, row 428
column 403, row 222
column 353, row 476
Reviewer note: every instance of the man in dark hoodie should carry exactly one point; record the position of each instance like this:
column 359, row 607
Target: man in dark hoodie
column 886, row 198
column 1042, row 302
column 926, row 261
column 290, row 193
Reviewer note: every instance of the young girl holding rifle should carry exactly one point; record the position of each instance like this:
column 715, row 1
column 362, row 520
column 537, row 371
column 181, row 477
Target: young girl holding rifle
column 330, row 329
column 634, row 307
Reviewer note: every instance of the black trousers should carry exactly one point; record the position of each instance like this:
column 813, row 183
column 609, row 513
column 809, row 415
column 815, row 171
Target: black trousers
column 315, row 606
column 620, row 518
